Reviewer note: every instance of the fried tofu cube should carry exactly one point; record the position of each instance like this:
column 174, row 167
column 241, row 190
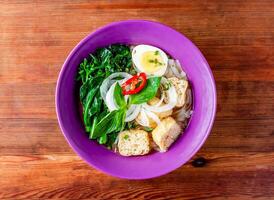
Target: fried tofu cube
column 133, row 143
column 166, row 133
column 181, row 87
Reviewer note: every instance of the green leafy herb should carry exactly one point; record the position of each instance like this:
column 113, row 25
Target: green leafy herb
column 101, row 124
column 126, row 137
column 155, row 61
column 130, row 125
column 156, row 53
column 94, row 123
column 103, row 139
column 166, row 86
column 118, row 96
column 148, row 92
column 88, row 103
column 112, row 122
column 102, row 127
column 132, row 71
column 148, row 129
column 111, row 139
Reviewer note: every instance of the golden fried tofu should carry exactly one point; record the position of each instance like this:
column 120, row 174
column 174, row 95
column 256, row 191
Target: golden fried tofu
column 180, row 87
column 133, row 143
column 166, row 133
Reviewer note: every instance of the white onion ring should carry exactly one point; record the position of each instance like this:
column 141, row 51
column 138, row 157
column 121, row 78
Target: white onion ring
column 175, row 69
column 108, row 82
column 144, row 121
column 183, row 115
column 134, row 114
column 153, row 116
column 168, row 73
column 111, row 104
column 161, row 101
column 133, row 110
column 179, row 67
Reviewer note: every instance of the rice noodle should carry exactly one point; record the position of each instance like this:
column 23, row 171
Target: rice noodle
column 179, row 67
column 185, row 112
column 169, row 73
column 174, row 69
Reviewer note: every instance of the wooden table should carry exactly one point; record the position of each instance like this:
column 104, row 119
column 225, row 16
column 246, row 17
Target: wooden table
column 237, row 39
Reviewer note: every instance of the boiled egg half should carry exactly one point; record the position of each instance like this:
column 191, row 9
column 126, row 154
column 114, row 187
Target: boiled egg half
column 149, row 59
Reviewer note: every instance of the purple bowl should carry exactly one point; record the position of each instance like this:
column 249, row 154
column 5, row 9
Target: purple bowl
column 197, row 70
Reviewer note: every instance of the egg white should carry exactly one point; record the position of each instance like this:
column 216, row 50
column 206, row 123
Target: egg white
column 137, row 53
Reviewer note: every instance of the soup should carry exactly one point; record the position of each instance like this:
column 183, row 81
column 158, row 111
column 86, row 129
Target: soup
column 135, row 99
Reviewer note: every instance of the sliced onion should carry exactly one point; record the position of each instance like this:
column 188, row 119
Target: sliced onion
column 108, row 82
column 172, row 100
column 179, row 67
column 161, row 101
column 175, row 71
column 107, row 89
column 144, row 121
column 133, row 110
column 111, row 104
column 168, row 73
column 174, row 68
column 133, row 115
column 153, row 116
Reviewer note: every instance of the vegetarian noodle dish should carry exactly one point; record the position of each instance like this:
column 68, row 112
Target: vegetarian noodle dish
column 134, row 99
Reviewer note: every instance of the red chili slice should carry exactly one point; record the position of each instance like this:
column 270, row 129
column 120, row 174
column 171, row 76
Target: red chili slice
column 135, row 84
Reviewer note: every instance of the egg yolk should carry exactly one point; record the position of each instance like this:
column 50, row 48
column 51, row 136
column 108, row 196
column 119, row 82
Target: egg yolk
column 151, row 61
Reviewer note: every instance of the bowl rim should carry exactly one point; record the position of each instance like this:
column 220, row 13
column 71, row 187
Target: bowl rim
column 61, row 75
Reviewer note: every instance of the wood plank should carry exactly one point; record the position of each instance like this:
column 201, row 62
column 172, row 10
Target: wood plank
column 223, row 174
column 237, row 39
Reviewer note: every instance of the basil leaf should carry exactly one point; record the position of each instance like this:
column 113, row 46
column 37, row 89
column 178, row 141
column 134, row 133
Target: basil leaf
column 103, row 126
column 94, row 123
column 118, row 96
column 96, row 105
column 88, row 102
column 118, row 121
column 112, row 122
column 148, row 92
column 111, row 139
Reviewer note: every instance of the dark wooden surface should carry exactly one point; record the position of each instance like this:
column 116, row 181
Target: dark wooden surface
column 237, row 39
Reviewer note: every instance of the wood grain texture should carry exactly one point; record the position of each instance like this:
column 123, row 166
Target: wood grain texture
column 237, row 39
